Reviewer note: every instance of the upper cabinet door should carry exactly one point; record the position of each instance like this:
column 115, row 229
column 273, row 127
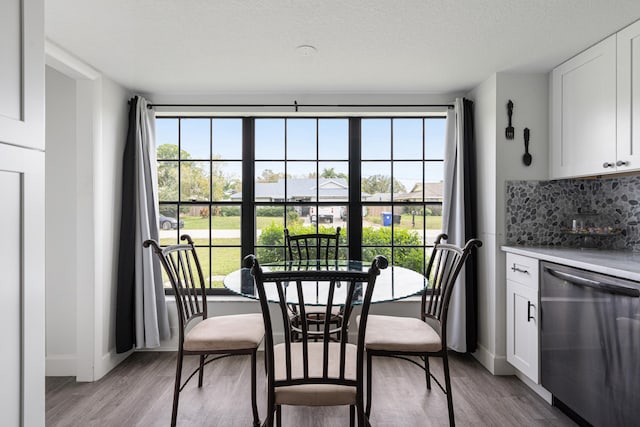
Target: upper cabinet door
column 22, row 73
column 583, row 113
column 629, row 98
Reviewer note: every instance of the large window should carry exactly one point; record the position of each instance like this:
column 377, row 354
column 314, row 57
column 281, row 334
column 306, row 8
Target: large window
column 378, row 179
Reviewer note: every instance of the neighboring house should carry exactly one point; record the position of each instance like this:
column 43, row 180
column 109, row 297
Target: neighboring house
column 432, row 194
column 300, row 190
column 335, row 189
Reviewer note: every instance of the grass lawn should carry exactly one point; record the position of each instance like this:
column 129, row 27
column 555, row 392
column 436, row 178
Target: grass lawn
column 226, row 222
column 221, row 262
column 433, row 222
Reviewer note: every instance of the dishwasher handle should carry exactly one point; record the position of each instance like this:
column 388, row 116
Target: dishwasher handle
column 607, row 287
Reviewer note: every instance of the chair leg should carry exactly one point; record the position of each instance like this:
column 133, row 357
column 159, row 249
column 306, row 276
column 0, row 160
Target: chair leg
column 427, row 371
column 268, row 422
column 447, row 382
column 279, row 415
column 363, row 418
column 254, row 403
column 352, row 416
column 369, row 385
column 176, row 389
column 201, row 373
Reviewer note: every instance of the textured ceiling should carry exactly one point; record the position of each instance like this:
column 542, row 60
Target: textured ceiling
column 373, row 46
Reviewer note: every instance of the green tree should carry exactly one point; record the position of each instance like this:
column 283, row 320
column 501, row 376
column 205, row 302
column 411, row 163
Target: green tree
column 194, row 178
column 381, row 184
column 268, row 175
column 331, row 173
column 168, row 171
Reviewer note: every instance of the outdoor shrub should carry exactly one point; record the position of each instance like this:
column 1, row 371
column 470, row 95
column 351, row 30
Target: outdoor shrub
column 269, row 211
column 230, row 211
column 408, row 257
column 292, row 216
column 273, row 235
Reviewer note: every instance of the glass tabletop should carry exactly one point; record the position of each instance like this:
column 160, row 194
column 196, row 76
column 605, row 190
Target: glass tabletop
column 392, row 284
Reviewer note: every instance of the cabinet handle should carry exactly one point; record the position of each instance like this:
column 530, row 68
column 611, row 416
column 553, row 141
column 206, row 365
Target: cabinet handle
column 529, row 316
column 622, row 163
column 519, row 270
column 608, row 165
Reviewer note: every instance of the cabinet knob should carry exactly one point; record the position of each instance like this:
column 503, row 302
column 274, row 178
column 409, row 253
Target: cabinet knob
column 529, row 316
column 622, row 163
column 608, row 165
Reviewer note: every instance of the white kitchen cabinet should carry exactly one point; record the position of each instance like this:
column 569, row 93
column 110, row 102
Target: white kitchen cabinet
column 522, row 315
column 583, row 113
column 595, row 109
column 628, row 138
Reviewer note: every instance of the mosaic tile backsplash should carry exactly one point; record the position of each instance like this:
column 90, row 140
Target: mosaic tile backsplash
column 601, row 213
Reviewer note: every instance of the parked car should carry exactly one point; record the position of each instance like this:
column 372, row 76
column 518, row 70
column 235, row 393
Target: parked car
column 168, row 223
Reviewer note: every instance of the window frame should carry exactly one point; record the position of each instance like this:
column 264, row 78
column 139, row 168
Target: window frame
column 248, row 204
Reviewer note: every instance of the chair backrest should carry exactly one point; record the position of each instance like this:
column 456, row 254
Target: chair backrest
column 352, row 283
column 182, row 267
column 445, row 264
column 323, row 246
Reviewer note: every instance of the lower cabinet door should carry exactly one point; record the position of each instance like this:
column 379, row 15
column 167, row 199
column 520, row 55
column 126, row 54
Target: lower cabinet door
column 522, row 329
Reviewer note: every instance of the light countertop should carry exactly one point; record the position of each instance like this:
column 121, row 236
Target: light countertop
column 624, row 264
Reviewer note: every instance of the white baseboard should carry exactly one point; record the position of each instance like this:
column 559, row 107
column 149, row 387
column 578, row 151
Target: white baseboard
column 108, row 362
column 497, row 365
column 61, row 365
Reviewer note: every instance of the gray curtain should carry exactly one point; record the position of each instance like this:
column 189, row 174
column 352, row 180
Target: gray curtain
column 141, row 312
column 458, row 221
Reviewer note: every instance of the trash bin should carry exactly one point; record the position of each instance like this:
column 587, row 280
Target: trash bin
column 396, row 219
column 386, row 218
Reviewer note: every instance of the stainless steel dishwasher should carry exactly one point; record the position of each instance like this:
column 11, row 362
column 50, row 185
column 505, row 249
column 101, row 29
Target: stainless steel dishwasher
column 590, row 344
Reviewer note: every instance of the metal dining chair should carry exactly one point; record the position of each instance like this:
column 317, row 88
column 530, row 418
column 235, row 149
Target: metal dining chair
column 322, row 373
column 323, row 247
column 211, row 338
column 402, row 337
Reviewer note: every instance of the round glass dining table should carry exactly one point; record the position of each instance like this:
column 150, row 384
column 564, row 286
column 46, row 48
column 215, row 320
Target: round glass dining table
column 392, row 284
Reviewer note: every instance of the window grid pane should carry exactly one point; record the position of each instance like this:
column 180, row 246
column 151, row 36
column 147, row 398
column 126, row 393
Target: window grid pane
column 301, row 181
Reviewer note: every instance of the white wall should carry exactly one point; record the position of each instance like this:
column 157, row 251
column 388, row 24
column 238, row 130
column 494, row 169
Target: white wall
column 108, row 173
column 301, row 98
column 95, row 127
column 500, row 160
column 60, row 205
column 530, row 96
column 484, row 98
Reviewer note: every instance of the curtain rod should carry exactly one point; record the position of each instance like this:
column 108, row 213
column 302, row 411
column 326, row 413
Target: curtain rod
column 296, row 105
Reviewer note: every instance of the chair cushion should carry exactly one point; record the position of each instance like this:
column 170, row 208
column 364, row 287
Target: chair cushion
column 234, row 332
column 315, row 394
column 393, row 333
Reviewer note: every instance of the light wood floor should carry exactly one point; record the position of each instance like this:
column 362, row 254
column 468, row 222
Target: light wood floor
column 139, row 393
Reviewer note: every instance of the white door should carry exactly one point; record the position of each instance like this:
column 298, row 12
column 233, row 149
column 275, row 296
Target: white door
column 22, row 213
column 522, row 329
column 629, row 98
